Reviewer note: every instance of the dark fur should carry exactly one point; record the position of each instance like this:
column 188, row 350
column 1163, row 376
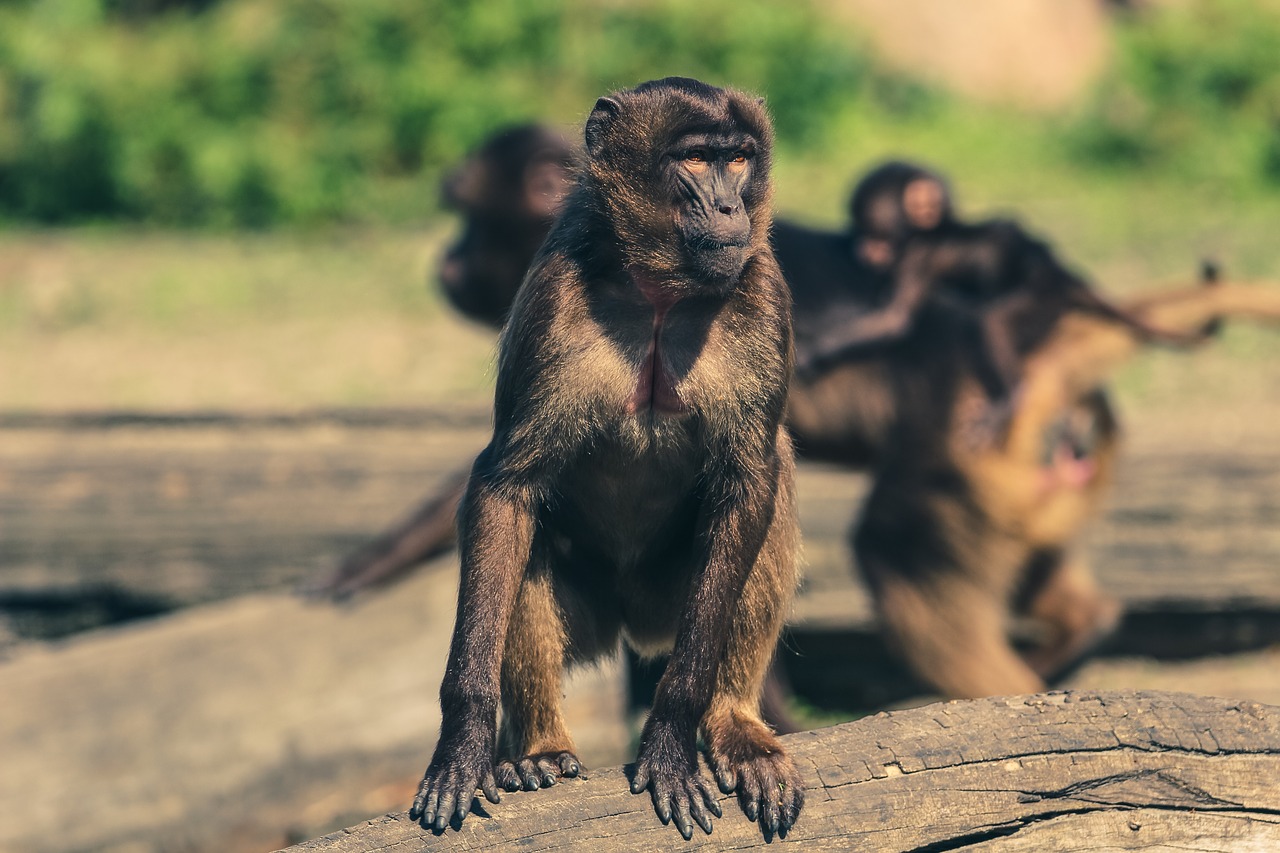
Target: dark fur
column 637, row 460
column 993, row 274
column 846, row 413
column 508, row 192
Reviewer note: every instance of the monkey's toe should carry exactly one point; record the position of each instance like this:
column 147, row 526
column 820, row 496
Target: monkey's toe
column 540, row 770
column 684, row 801
column 746, row 757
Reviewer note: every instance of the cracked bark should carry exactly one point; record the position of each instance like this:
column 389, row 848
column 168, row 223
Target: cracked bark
column 1060, row 771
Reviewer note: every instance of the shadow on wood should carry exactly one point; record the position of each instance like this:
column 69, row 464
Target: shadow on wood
column 1127, row 770
column 849, row 667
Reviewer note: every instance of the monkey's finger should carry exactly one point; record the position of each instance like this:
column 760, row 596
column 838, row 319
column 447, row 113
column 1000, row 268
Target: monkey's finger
column 698, row 810
column 769, row 796
column 792, row 803
column 550, row 772
column 726, row 778
column 749, row 794
column 425, row 802
column 569, row 765
column 661, row 801
column 640, row 780
column 709, row 797
column 445, row 807
column 529, row 774
column 490, row 787
column 506, row 776
column 680, row 814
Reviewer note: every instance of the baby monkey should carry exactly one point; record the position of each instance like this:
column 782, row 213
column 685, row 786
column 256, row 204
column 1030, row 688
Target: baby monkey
column 1008, row 284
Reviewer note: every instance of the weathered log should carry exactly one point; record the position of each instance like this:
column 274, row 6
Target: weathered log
column 1058, row 771
column 244, row 725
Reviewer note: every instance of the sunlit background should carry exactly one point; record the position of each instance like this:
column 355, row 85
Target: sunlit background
column 231, row 209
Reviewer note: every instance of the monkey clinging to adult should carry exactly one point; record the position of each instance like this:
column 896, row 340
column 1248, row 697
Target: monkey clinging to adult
column 1011, row 286
column 639, row 481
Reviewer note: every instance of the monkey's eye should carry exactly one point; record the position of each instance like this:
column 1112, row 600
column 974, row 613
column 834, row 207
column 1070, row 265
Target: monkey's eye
column 739, row 158
column 695, row 156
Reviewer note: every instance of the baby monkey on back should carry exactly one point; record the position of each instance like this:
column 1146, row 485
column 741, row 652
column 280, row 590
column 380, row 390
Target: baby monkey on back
column 1009, row 283
column 639, row 479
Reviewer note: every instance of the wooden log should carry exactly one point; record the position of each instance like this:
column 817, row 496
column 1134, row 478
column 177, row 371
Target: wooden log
column 1058, row 771
column 243, row 725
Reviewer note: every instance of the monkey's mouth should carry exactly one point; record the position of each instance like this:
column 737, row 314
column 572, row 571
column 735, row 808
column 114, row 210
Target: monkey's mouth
column 1069, row 465
column 712, row 242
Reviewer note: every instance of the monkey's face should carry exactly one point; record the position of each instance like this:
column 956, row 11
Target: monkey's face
column 507, row 193
column 706, row 175
column 681, row 170
column 891, row 203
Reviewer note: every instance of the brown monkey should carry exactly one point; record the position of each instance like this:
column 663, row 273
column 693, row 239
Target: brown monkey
column 638, row 459
column 841, row 416
column 508, row 193
column 954, row 538
column 1009, row 284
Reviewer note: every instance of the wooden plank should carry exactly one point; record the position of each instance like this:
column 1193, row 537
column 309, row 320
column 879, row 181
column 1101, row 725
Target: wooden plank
column 166, row 516
column 1017, row 773
column 241, row 725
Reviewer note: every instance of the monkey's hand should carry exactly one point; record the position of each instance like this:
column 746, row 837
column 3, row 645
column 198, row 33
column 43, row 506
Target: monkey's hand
column 463, row 761
column 539, row 770
column 668, row 766
column 746, row 757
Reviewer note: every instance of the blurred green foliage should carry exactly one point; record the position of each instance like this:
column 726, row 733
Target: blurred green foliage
column 1195, row 91
column 255, row 112
column 252, row 113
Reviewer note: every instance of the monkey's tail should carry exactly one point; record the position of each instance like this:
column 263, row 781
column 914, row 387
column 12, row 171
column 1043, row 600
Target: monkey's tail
column 1085, row 349
column 429, row 532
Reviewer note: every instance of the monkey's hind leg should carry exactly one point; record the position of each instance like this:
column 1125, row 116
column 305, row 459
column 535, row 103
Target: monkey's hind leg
column 951, row 631
column 1065, row 595
column 536, row 748
column 743, row 752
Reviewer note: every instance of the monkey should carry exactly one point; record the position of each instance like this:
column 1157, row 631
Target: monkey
column 1005, row 281
column 846, row 412
column 893, row 202
column 508, row 192
column 955, row 538
column 639, row 482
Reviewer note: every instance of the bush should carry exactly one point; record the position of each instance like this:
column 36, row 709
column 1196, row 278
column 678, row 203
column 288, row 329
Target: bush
column 1195, row 85
column 257, row 112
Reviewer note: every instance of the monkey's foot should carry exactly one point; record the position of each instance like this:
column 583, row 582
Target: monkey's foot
column 450, row 784
column 539, row 770
column 1059, row 662
column 748, row 758
column 680, row 793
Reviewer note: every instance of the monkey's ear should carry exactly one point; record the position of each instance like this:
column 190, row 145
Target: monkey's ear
column 604, row 112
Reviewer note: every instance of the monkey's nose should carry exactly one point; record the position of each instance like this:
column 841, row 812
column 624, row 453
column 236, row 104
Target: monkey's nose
column 728, row 210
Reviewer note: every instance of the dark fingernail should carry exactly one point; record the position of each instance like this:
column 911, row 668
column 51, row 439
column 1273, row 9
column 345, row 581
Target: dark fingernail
column 752, row 811
column 714, row 805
